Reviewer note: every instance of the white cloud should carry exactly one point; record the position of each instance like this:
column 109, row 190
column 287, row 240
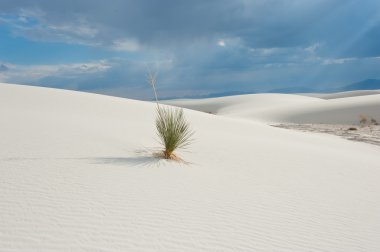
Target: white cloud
column 221, row 43
column 78, row 29
column 30, row 23
column 313, row 48
column 128, row 45
column 33, row 73
column 337, row 61
column 266, row 51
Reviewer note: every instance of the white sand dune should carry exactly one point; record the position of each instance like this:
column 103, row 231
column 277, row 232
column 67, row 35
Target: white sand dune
column 76, row 175
column 343, row 94
column 280, row 108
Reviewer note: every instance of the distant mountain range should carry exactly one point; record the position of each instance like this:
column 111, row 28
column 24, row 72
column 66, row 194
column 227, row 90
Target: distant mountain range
column 210, row 95
column 293, row 90
column 369, row 84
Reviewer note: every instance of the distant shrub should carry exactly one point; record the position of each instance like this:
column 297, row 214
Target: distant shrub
column 173, row 129
column 367, row 121
column 374, row 122
column 352, row 128
column 363, row 120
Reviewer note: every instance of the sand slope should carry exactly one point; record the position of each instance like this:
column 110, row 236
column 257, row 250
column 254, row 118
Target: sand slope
column 71, row 180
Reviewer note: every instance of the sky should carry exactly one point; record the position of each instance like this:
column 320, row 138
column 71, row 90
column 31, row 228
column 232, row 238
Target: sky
column 196, row 47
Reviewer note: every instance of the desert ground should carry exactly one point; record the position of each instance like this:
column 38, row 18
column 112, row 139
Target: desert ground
column 367, row 134
column 77, row 173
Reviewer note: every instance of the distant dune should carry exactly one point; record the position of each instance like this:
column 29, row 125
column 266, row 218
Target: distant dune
column 365, row 87
column 280, row 108
column 343, row 94
column 77, row 174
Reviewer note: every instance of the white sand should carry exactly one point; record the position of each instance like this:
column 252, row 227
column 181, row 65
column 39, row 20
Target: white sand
column 71, row 180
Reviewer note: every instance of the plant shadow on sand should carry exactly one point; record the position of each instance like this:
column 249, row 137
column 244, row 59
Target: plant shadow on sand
column 131, row 161
column 144, row 157
column 148, row 157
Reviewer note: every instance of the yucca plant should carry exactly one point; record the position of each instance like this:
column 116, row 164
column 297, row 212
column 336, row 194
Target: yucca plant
column 173, row 130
